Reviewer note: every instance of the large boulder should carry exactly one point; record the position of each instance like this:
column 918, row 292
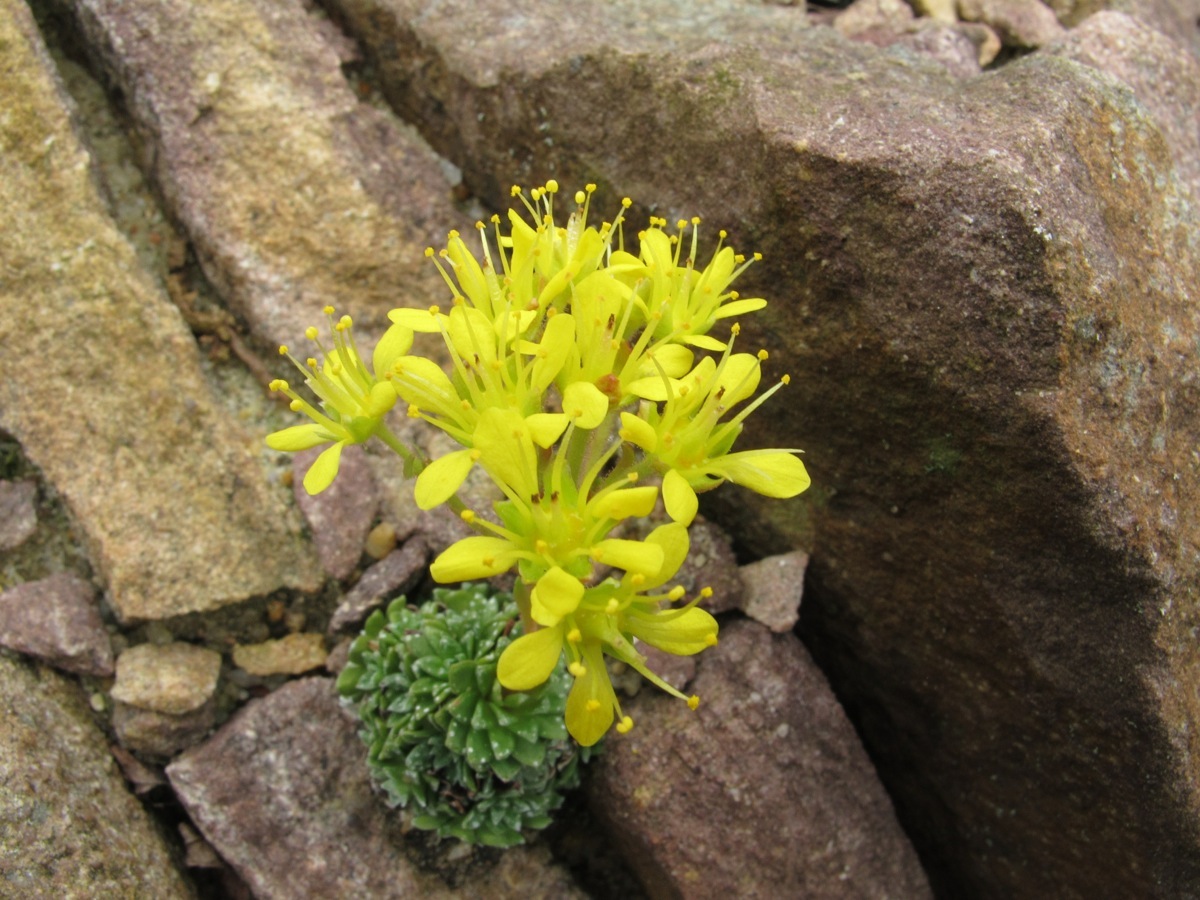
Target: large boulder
column 100, row 380
column 984, row 290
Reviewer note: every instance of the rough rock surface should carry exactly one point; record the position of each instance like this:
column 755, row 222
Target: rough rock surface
column 392, row 576
column 341, row 515
column 292, row 654
column 18, row 512
column 56, row 620
column 1174, row 18
column 774, row 589
column 764, row 791
column 985, row 293
column 294, row 193
column 1020, row 23
column 173, row 678
column 282, row 793
column 119, row 439
column 162, row 734
column 68, row 826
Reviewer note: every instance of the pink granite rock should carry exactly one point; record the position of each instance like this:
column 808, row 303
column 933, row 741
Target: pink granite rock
column 56, row 619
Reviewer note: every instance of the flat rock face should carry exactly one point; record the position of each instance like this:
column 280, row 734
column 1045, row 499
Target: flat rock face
column 282, row 793
column 100, row 381
column 68, row 826
column 984, row 290
column 764, row 791
column 294, row 194
column 173, row 678
column 56, row 620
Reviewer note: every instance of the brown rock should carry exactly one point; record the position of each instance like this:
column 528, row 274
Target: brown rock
column 121, row 436
column 392, row 576
column 173, row 678
column 56, row 620
column 162, row 734
column 867, row 17
column 68, row 826
column 774, row 588
column 294, row 193
column 18, row 512
column 947, row 45
column 711, row 563
column 764, row 791
column 293, row 654
column 340, row 516
column 986, row 299
column 1020, row 23
column 1176, row 19
column 282, row 793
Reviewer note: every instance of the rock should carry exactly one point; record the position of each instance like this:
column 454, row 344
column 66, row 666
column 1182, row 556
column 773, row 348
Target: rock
column 18, row 513
column 1020, row 23
column 394, row 575
column 141, row 778
column 764, row 791
column 173, row 678
column 68, row 826
column 340, row 516
column 867, row 17
column 160, row 734
column 120, row 436
column 332, row 202
column 56, row 620
column 381, row 540
column 944, row 12
column 282, row 793
column 948, row 45
column 774, row 587
column 1176, row 19
column 292, row 654
column 1163, row 75
column 711, row 563
column 986, row 299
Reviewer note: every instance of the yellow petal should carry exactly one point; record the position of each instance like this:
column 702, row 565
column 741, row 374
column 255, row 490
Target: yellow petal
column 773, row 473
column 623, row 503
column 473, row 557
column 396, row 341
column 740, row 307
column 555, row 595
column 324, row 469
column 591, row 703
column 530, row 659
column 546, row 428
column 639, row 557
column 506, row 445
column 472, row 333
column 551, row 352
column 739, row 378
column 422, row 320
column 638, row 432
column 469, row 274
column 299, row 437
column 585, row 403
column 672, row 539
column 439, row 481
column 380, row 399
column 679, row 498
column 681, row 633
column 675, row 359
column 704, row 342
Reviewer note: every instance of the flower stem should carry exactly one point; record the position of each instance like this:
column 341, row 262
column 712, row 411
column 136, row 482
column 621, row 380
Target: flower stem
column 523, row 594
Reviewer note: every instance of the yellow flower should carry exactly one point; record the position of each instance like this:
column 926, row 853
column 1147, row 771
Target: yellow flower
column 353, row 401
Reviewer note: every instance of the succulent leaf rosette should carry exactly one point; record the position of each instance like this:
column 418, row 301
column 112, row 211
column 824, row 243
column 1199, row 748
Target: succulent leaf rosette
column 590, row 384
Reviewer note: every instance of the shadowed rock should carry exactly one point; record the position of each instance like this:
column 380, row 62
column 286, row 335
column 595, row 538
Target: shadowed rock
column 100, row 381
column 984, row 290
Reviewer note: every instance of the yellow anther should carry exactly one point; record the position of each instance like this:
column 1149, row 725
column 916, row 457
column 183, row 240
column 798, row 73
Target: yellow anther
column 597, row 554
column 495, row 219
column 465, row 404
column 612, row 607
column 574, row 636
column 626, row 202
column 632, row 477
column 758, row 257
column 589, row 187
column 681, row 224
column 467, row 516
column 637, row 579
column 592, row 705
column 722, row 234
column 311, row 332
column 480, row 226
column 695, row 220
column 786, row 379
column 733, row 295
column 434, row 310
column 676, row 593
column 328, row 310
column 475, row 455
column 735, row 329
column 693, row 702
column 739, row 258
column 541, row 547
column 283, row 350
column 278, row 385
column 311, row 362
column 551, row 313
column 413, row 411
column 488, row 561
column 706, row 592
column 710, row 640
column 577, row 669
column 552, row 186
column 515, row 190
column 625, row 725
column 452, row 234
column 429, row 253
column 762, row 355
column 580, row 196
column 296, row 405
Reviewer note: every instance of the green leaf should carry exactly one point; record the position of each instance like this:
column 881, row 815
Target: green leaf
column 502, row 742
column 529, row 752
column 479, row 749
column 461, row 676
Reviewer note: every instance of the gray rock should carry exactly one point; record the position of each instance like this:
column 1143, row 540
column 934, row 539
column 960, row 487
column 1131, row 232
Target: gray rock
column 1020, row 23
column 160, row 734
column 56, row 619
column 340, row 516
column 120, row 434
column 951, row 46
column 68, row 826
column 282, row 793
column 173, row 678
column 395, row 574
column 332, row 202
column 1176, row 19
column 18, row 512
column 986, row 297
column 764, row 791
column 774, row 589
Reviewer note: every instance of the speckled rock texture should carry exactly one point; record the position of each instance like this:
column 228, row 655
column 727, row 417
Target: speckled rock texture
column 69, row 828
column 56, row 619
column 984, row 290
column 294, row 194
column 282, row 793
column 341, row 515
column 764, row 791
column 100, row 381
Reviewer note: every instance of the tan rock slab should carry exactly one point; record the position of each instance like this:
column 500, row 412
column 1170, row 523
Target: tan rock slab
column 101, row 384
column 293, row 654
column 173, row 678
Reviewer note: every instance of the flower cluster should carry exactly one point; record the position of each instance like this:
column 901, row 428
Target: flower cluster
column 587, row 382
